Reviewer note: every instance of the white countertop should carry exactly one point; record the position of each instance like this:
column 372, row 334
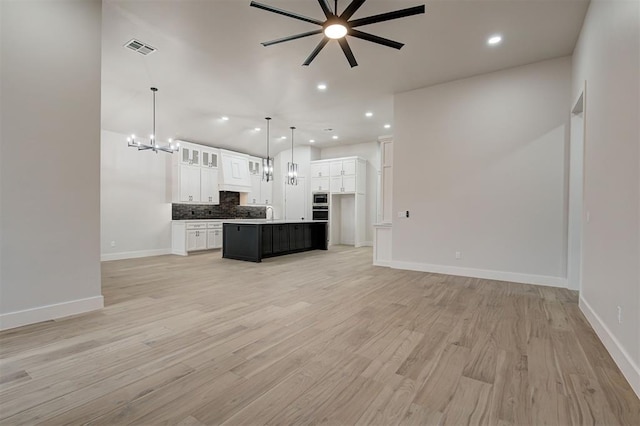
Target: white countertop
column 248, row 221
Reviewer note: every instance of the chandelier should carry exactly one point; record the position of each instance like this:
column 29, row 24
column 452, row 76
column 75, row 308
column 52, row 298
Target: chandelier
column 153, row 144
column 292, row 168
column 267, row 163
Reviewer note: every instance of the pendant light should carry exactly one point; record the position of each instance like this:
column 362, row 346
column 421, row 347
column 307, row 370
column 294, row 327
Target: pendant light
column 292, row 168
column 152, row 145
column 267, row 163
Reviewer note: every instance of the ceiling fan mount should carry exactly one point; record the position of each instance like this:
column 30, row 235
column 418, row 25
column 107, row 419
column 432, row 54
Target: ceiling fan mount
column 338, row 26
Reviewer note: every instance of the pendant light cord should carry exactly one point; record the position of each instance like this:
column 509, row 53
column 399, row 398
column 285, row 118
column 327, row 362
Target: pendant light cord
column 292, row 129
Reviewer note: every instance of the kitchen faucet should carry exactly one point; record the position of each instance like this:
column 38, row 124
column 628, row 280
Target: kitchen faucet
column 267, row 212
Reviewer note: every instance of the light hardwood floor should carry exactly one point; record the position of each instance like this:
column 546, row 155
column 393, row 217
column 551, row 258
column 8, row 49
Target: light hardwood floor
column 317, row 337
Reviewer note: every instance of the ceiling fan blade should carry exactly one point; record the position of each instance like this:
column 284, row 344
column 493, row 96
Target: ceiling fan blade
column 325, row 8
column 289, row 38
column 285, row 13
column 351, row 9
column 347, row 52
column 375, row 39
column 317, row 50
column 387, row 16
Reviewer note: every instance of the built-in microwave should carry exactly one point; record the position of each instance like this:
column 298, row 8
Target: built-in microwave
column 320, row 213
column 320, row 199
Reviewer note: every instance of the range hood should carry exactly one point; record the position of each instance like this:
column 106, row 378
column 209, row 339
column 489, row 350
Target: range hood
column 235, row 172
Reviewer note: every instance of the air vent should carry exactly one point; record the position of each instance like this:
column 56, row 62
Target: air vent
column 140, row 47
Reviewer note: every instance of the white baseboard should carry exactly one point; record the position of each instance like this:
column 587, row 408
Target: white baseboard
column 623, row 360
column 365, row 244
column 482, row 273
column 385, row 263
column 49, row 312
column 134, row 254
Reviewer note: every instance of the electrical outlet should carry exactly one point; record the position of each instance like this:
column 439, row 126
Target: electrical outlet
column 404, row 213
column 113, row 243
column 458, row 255
column 619, row 314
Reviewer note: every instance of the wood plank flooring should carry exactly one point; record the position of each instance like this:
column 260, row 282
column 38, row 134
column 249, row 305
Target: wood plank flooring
column 317, row 337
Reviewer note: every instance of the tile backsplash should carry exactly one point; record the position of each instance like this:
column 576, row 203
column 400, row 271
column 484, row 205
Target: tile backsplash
column 229, row 208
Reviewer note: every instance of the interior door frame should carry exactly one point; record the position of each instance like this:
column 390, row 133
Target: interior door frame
column 577, row 217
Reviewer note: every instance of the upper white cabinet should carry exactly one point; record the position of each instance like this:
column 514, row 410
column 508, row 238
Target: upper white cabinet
column 261, row 192
column 210, row 158
column 255, row 166
column 345, row 167
column 320, row 184
column 320, row 169
column 190, row 154
column 348, row 176
column 266, row 192
column 195, row 175
column 209, row 192
column 188, row 184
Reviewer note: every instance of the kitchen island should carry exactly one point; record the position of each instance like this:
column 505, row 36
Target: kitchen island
column 254, row 240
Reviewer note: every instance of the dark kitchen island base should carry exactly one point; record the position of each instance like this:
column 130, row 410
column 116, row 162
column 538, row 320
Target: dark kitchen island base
column 256, row 240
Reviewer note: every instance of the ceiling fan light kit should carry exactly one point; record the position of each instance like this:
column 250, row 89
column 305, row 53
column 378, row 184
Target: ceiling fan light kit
column 337, row 27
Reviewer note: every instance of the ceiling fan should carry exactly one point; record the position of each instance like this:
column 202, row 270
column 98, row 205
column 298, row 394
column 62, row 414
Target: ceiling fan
column 338, row 26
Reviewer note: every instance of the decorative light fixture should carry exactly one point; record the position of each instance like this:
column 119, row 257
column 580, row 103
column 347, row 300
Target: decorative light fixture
column 336, row 26
column 335, row 30
column 292, row 168
column 152, row 145
column 267, row 163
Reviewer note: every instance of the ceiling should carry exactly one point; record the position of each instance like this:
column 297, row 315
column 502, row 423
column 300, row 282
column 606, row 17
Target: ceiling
column 210, row 64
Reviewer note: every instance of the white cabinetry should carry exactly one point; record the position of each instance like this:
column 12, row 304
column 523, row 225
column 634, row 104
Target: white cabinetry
column 319, row 169
column 346, row 181
column 214, row 235
column 196, row 236
column 188, row 183
column 195, row 175
column 344, row 175
column 209, row 192
column 189, row 154
column 261, row 191
column 210, row 158
column 187, row 236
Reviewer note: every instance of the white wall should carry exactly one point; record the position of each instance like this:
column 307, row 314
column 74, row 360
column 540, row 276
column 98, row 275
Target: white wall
column 50, row 162
column 480, row 164
column 607, row 57
column 370, row 151
column 135, row 200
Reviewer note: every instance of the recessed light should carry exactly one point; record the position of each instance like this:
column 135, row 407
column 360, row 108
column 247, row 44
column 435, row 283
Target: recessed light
column 322, row 86
column 335, row 136
column 494, row 39
column 225, row 118
column 257, row 129
column 368, row 114
column 387, row 126
column 311, row 140
column 283, row 137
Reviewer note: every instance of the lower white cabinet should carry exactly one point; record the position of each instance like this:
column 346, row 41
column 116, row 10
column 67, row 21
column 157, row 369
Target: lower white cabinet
column 196, row 240
column 188, row 235
column 214, row 236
